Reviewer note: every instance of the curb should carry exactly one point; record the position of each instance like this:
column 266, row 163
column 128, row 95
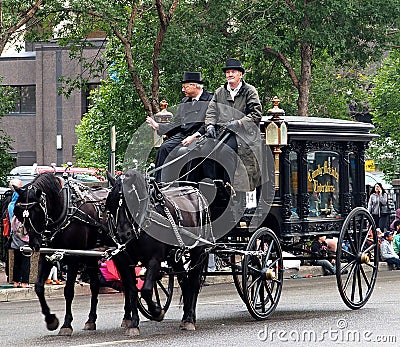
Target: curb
column 57, row 291
column 51, row 291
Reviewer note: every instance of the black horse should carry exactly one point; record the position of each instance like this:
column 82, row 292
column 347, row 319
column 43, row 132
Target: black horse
column 149, row 223
column 64, row 216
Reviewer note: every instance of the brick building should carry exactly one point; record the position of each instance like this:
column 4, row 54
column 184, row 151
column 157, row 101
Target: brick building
column 43, row 124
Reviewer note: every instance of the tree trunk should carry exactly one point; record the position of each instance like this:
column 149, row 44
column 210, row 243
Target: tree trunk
column 305, row 79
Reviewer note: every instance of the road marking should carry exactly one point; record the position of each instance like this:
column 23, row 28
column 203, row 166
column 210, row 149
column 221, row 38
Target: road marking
column 110, row 343
column 216, row 302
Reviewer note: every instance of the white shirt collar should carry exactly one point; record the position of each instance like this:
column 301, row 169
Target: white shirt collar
column 234, row 92
column 197, row 98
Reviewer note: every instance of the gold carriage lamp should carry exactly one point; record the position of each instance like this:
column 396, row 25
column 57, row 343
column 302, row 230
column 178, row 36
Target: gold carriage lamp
column 163, row 116
column 276, row 134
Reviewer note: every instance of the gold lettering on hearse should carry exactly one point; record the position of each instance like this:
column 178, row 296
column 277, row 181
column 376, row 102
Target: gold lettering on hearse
column 323, row 170
column 326, row 169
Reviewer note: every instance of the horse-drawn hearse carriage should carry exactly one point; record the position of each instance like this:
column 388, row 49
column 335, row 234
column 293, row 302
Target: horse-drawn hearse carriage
column 313, row 185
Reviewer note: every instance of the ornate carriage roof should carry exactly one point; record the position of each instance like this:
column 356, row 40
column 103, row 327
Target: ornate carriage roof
column 326, row 129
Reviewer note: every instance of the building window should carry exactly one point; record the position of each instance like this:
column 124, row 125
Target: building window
column 26, row 100
column 87, row 101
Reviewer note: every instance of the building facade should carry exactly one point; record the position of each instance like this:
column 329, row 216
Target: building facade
column 43, row 124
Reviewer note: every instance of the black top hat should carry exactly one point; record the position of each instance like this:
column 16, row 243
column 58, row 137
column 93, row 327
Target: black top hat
column 192, row 77
column 233, row 64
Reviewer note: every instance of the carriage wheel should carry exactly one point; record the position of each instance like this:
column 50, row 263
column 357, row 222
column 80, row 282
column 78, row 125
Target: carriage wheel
column 162, row 294
column 357, row 258
column 237, row 273
column 262, row 273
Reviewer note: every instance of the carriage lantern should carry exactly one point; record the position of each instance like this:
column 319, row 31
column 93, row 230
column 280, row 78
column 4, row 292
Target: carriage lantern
column 276, row 134
column 163, row 116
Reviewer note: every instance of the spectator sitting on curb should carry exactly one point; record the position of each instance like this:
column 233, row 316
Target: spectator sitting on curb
column 387, row 251
column 319, row 251
column 396, row 240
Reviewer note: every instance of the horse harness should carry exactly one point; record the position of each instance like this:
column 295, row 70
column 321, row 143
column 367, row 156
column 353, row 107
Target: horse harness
column 154, row 219
column 76, row 195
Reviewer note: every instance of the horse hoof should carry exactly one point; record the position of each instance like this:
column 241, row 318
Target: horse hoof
column 53, row 325
column 132, row 332
column 160, row 317
column 187, row 326
column 65, row 332
column 89, row 326
column 126, row 323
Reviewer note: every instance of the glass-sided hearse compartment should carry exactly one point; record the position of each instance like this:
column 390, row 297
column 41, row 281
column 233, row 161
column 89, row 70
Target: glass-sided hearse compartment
column 322, row 184
column 321, row 175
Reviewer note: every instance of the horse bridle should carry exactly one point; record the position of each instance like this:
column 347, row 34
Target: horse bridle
column 123, row 208
column 26, row 206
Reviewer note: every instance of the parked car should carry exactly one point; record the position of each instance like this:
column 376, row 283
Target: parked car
column 27, row 173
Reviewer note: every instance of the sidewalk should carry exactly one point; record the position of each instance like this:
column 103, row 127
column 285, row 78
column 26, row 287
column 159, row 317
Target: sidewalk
column 9, row 293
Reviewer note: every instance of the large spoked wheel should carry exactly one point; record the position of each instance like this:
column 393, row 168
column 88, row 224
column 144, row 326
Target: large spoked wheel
column 236, row 266
column 262, row 274
column 357, row 258
column 162, row 294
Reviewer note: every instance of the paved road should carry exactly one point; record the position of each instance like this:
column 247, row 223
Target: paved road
column 310, row 310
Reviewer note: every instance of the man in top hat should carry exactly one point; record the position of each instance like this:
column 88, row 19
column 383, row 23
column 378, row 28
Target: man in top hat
column 188, row 123
column 235, row 109
column 387, row 251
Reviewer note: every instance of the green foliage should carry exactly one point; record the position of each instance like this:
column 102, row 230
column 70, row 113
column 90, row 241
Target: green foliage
column 114, row 103
column 385, row 106
column 344, row 39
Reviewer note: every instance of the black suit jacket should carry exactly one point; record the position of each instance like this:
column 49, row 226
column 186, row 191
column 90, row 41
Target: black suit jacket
column 189, row 117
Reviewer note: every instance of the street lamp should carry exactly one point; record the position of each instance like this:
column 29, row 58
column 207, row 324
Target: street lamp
column 276, row 134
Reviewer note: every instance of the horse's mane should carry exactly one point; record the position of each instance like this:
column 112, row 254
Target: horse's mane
column 48, row 183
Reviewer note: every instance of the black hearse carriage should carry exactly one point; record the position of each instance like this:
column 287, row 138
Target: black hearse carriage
column 319, row 190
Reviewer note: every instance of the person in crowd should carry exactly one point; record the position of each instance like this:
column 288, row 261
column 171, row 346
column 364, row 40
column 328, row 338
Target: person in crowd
column 377, row 198
column 19, row 238
column 396, row 239
column 6, row 228
column 387, row 251
column 53, row 276
column 187, row 125
column 235, row 112
column 319, row 252
column 396, row 218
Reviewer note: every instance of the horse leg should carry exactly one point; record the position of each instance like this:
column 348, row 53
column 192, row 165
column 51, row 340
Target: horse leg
column 185, row 288
column 44, row 267
column 191, row 293
column 152, row 273
column 121, row 264
column 133, row 328
column 131, row 317
column 92, row 271
column 127, row 319
column 69, row 292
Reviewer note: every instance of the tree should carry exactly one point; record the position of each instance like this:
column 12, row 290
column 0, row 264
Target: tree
column 294, row 32
column 287, row 47
column 115, row 102
column 14, row 16
column 385, row 107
